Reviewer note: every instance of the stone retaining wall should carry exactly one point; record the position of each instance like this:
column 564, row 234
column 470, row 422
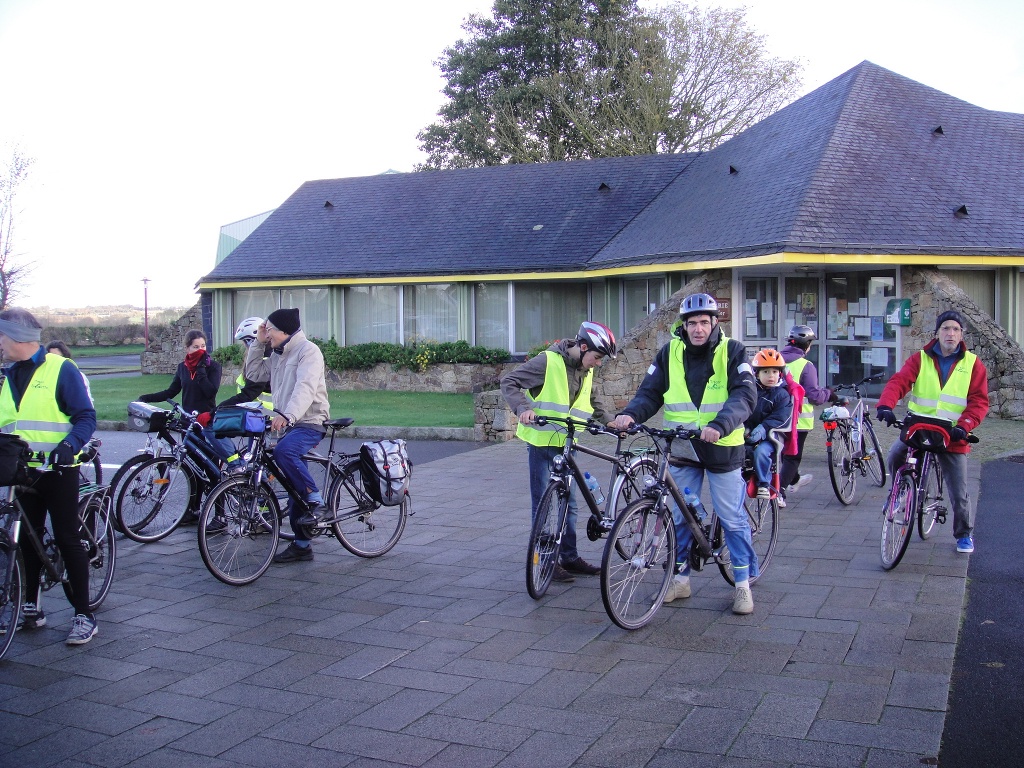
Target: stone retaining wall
column 168, row 349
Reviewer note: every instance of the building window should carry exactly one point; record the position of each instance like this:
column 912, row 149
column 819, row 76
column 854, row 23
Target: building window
column 859, row 343
column 431, row 312
column 312, row 304
column 491, row 315
column 641, row 298
column 253, row 304
column 371, row 314
column 548, row 312
column 760, row 312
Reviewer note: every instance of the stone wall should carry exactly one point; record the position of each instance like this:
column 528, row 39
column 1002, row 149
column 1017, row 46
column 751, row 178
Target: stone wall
column 617, row 380
column 931, row 293
column 168, row 349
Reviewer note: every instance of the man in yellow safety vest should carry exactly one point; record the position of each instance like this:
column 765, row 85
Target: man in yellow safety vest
column 944, row 381
column 558, row 382
column 704, row 381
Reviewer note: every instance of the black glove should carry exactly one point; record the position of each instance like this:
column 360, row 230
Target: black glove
column 886, row 415
column 958, row 434
column 205, row 362
column 63, row 454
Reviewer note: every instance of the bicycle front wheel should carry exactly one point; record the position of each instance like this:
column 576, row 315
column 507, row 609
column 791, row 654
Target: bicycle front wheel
column 364, row 527
column 545, row 538
column 238, row 530
column 91, row 472
column 632, row 587
column 98, row 540
column 10, row 595
column 871, row 455
column 898, row 520
column 763, row 517
column 153, row 499
column 930, row 502
column 840, row 465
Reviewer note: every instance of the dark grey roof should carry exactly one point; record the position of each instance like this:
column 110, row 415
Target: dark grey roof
column 856, row 166
column 550, row 216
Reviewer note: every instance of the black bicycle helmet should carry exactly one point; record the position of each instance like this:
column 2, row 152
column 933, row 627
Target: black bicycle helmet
column 597, row 337
column 802, row 335
column 698, row 304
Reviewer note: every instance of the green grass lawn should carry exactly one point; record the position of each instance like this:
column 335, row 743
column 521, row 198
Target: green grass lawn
column 368, row 408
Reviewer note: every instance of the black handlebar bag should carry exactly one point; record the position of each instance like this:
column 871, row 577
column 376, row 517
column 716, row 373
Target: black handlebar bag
column 14, row 455
column 926, row 433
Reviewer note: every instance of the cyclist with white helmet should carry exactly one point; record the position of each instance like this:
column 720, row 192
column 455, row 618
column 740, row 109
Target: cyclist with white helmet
column 558, row 382
column 250, row 391
column 803, row 371
column 704, row 381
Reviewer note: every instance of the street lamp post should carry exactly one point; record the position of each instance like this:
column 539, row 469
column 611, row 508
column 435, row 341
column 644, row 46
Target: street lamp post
column 145, row 309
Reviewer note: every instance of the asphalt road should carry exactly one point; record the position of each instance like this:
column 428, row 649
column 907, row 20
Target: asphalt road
column 986, row 701
column 107, row 361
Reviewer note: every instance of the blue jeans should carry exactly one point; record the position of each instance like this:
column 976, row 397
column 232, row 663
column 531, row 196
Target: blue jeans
column 222, row 446
column 727, row 492
column 540, row 472
column 763, row 452
column 288, row 454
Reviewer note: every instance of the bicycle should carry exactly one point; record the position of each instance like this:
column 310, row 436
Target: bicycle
column 856, row 450
column 164, row 431
column 158, row 491
column 640, row 555
column 240, row 522
column 917, row 492
column 98, row 537
column 628, row 469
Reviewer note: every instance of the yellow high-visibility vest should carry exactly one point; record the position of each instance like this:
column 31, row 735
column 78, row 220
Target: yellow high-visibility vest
column 37, row 419
column 805, row 422
column 679, row 407
column 929, row 398
column 553, row 400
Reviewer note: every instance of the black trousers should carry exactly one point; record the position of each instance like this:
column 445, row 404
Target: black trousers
column 57, row 493
column 791, row 464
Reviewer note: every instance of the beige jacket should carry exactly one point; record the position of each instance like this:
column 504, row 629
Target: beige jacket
column 296, row 379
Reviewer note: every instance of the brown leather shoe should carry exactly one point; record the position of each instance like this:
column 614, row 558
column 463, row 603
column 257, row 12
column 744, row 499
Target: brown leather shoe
column 580, row 566
column 560, row 574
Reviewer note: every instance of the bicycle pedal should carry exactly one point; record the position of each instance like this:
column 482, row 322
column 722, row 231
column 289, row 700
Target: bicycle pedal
column 941, row 517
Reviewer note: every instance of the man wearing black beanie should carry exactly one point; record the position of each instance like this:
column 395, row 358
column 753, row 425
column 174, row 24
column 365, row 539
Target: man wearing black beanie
column 296, row 374
column 945, row 381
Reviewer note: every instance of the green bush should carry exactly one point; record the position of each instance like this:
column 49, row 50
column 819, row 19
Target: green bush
column 417, row 357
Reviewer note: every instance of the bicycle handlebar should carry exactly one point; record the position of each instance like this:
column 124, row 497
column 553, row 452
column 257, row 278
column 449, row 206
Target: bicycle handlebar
column 854, row 385
column 593, row 427
column 971, row 437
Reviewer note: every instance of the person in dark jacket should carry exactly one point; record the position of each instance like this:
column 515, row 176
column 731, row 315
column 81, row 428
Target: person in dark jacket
column 43, row 400
column 705, row 382
column 802, row 369
column 773, row 410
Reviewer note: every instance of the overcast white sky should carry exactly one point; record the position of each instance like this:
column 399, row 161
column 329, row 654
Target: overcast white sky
column 153, row 124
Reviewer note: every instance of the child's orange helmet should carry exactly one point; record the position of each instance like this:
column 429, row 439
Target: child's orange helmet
column 769, row 358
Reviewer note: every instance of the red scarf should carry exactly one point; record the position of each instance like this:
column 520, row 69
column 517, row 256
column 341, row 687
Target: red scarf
column 192, row 360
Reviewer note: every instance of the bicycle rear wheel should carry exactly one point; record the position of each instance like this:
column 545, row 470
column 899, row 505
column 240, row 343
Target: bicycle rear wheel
column 632, row 587
column 545, row 538
column 763, row 517
column 119, row 474
column 840, row 464
column 930, row 503
column 11, row 593
column 153, row 499
column 898, row 520
column 91, row 472
column 238, row 530
column 98, row 540
column 364, row 527
column 871, row 454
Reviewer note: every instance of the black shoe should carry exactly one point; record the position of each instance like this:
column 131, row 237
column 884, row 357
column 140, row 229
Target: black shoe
column 560, row 574
column 580, row 566
column 311, row 517
column 293, row 554
column 190, row 518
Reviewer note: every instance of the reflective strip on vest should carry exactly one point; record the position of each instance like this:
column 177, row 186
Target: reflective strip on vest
column 679, row 407
column 553, row 400
column 263, row 398
column 38, row 420
column 929, row 398
column 805, row 422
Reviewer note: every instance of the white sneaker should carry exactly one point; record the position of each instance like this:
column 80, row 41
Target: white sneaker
column 782, row 501
column 743, row 602
column 803, row 482
column 679, row 589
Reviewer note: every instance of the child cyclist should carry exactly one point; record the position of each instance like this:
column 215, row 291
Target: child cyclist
column 773, row 410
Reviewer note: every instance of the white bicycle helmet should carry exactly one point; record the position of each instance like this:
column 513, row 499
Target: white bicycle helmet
column 246, row 331
column 698, row 304
column 597, row 337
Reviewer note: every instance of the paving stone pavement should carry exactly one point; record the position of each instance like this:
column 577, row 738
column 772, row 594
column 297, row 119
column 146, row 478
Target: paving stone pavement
column 434, row 654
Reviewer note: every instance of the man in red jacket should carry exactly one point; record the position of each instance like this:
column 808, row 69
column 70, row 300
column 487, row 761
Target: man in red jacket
column 944, row 381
